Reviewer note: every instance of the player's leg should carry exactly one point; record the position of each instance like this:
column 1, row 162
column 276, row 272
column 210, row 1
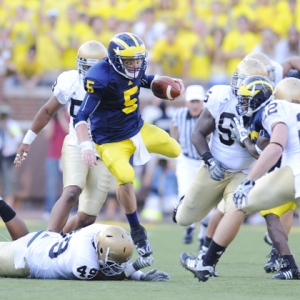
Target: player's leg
column 202, row 195
column 15, row 226
column 278, row 234
column 74, row 178
column 213, row 223
column 203, row 267
column 92, row 197
column 116, row 157
column 159, row 141
column 20, row 236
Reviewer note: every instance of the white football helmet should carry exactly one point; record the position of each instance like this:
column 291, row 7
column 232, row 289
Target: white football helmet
column 247, row 67
column 266, row 61
column 288, row 89
column 89, row 53
column 114, row 246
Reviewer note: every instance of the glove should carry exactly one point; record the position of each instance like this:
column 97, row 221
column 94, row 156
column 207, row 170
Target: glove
column 215, row 168
column 143, row 262
column 240, row 196
column 155, row 275
column 238, row 132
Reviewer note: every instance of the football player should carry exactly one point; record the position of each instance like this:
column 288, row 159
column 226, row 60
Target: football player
column 219, row 111
column 96, row 252
column 276, row 72
column 90, row 186
column 112, row 104
column 258, row 192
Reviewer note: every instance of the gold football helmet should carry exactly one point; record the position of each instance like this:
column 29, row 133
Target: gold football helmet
column 114, row 247
column 288, row 89
column 266, row 61
column 247, row 67
column 89, row 53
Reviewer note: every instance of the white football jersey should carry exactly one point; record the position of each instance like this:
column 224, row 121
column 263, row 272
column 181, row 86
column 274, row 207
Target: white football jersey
column 72, row 256
column 69, row 89
column 221, row 103
column 288, row 113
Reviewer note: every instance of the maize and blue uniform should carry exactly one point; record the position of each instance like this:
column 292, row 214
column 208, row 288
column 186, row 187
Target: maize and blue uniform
column 118, row 130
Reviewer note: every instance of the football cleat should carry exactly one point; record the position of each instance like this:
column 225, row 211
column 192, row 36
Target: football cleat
column 287, row 272
column 188, row 235
column 195, row 265
column 273, row 264
column 139, row 237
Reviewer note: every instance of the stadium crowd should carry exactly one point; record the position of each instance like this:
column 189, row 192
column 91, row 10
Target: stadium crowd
column 198, row 41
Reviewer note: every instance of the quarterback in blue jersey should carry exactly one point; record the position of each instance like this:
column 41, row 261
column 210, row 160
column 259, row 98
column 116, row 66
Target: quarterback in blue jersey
column 118, row 131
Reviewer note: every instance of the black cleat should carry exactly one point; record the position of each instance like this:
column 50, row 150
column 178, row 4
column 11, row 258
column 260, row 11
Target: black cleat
column 195, row 265
column 273, row 264
column 188, row 235
column 139, row 237
column 287, row 272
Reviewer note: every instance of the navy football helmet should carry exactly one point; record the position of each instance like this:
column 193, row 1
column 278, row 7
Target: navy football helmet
column 254, row 93
column 127, row 53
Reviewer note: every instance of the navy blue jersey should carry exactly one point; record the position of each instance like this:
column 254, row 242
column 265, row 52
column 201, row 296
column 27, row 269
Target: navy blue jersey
column 112, row 103
column 256, row 129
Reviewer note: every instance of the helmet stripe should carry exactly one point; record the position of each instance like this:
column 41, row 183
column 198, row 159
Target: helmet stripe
column 119, row 41
column 134, row 39
column 258, row 82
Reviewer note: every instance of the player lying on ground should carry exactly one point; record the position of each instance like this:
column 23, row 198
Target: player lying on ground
column 96, row 252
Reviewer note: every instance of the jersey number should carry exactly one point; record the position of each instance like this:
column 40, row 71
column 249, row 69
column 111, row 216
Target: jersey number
column 59, row 248
column 82, row 271
column 224, row 122
column 130, row 104
column 89, row 87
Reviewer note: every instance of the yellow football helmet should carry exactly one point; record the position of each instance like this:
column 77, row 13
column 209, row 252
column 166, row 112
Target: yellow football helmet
column 247, row 67
column 114, row 246
column 127, row 46
column 254, row 93
column 288, row 89
column 89, row 53
column 266, row 61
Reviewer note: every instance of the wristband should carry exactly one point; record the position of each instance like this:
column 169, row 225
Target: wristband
column 138, row 275
column 129, row 270
column 86, row 145
column 29, row 137
column 206, row 156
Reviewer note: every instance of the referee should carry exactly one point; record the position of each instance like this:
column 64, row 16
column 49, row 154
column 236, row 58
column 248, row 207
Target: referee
column 188, row 163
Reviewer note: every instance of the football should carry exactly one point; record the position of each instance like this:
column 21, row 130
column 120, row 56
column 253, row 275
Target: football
column 164, row 87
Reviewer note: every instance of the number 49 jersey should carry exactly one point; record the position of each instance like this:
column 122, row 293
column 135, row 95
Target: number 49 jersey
column 221, row 103
column 280, row 111
column 73, row 255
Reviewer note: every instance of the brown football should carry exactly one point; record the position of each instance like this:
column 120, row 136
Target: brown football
column 164, row 87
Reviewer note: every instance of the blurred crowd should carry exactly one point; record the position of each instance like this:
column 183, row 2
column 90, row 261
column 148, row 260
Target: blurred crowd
column 200, row 41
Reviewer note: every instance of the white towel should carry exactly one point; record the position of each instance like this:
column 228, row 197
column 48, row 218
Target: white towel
column 141, row 154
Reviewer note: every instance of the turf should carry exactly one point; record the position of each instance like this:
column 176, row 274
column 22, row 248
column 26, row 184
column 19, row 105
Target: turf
column 241, row 274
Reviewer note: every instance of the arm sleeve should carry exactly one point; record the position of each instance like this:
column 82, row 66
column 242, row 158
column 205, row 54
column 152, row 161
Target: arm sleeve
column 88, row 106
column 146, row 81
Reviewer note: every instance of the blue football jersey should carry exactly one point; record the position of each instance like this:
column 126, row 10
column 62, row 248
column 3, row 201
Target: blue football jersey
column 256, row 128
column 112, row 103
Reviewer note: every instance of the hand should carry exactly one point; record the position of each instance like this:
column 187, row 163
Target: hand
column 216, row 169
column 238, row 132
column 21, row 154
column 240, row 196
column 143, row 262
column 89, row 158
column 182, row 88
column 155, row 275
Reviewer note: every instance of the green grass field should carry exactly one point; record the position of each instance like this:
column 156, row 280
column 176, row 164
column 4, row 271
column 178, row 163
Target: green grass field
column 241, row 274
